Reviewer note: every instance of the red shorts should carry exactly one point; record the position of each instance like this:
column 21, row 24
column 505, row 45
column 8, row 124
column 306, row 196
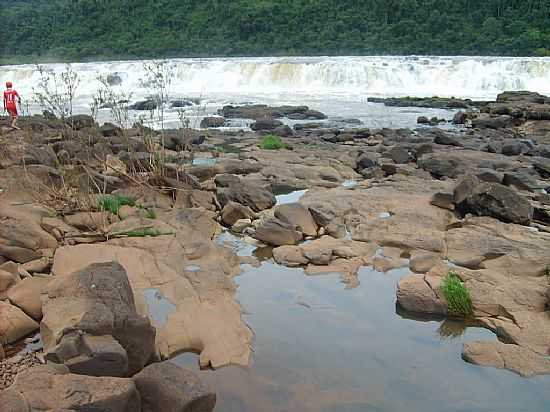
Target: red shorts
column 12, row 110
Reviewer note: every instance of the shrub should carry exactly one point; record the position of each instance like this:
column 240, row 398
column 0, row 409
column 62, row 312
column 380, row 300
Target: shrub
column 150, row 214
column 457, row 295
column 114, row 203
column 272, row 142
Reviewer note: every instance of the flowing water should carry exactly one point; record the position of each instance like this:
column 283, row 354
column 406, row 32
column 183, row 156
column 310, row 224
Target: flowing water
column 338, row 86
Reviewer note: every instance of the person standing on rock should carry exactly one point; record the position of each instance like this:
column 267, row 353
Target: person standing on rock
column 11, row 99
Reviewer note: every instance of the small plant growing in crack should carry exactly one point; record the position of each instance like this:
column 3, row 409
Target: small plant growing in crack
column 457, row 295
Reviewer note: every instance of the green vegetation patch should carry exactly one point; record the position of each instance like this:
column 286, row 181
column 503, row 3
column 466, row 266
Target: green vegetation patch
column 113, row 203
column 457, row 295
column 272, row 142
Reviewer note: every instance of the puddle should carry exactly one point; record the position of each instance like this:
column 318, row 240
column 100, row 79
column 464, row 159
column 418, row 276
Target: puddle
column 349, row 184
column 291, row 197
column 204, row 161
column 159, row 307
column 322, row 348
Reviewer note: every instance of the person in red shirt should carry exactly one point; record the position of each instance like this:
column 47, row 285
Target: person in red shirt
column 11, row 98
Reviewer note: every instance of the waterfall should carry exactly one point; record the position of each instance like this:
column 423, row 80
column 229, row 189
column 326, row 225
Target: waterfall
column 353, row 77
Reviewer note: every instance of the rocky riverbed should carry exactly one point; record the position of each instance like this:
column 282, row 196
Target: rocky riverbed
column 100, row 226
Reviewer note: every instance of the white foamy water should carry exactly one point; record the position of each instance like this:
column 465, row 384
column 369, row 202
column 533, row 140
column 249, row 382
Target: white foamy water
column 338, row 85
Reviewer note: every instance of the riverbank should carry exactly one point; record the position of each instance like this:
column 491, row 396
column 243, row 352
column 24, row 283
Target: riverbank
column 141, row 212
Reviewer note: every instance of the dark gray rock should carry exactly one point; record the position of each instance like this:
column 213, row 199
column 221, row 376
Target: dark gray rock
column 91, row 323
column 211, row 122
column 500, row 202
column 399, row 155
column 265, row 124
column 144, row 105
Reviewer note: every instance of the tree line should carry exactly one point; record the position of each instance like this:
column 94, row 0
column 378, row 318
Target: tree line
column 44, row 30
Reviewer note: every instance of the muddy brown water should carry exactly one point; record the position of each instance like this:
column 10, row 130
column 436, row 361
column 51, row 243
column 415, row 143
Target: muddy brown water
column 321, row 348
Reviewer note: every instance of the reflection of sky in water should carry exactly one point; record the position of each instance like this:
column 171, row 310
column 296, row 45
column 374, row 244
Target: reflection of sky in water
column 292, row 197
column 159, row 306
column 321, row 348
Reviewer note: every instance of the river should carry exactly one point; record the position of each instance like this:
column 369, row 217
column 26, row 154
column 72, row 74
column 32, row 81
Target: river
column 338, row 86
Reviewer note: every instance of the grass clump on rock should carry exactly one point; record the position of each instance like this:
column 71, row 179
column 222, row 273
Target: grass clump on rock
column 457, row 295
column 272, row 142
column 113, row 203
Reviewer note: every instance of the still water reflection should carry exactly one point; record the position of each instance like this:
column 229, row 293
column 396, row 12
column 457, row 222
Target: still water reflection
column 322, row 348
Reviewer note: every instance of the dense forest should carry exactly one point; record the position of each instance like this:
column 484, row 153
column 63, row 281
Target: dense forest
column 42, row 30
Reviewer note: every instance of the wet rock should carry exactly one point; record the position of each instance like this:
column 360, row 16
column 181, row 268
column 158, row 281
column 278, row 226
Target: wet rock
column 297, row 216
column 89, row 315
column 49, row 388
column 425, row 102
column 208, row 122
column 504, row 356
column 265, row 124
column 26, row 296
column 144, row 105
column 415, row 294
column 169, row 388
column 277, row 233
column 233, row 212
column 14, row 323
column 423, row 120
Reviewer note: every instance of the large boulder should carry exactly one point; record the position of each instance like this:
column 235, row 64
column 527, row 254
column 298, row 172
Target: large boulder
column 14, row 323
column 298, row 216
column 91, row 323
column 49, row 388
column 277, row 233
column 256, row 197
column 81, row 121
column 168, row 388
column 500, row 202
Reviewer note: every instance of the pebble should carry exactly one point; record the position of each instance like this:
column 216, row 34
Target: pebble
column 10, row 367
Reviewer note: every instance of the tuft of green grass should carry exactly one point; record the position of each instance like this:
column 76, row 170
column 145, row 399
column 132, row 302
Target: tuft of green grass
column 113, row 203
column 457, row 295
column 547, row 273
column 150, row 214
column 272, row 142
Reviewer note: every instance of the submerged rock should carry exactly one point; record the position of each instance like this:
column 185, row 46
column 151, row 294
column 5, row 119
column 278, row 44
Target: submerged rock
column 520, row 360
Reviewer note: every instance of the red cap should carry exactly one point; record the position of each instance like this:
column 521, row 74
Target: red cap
column 8, row 84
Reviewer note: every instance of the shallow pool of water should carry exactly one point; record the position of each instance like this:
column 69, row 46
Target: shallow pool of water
column 322, row 348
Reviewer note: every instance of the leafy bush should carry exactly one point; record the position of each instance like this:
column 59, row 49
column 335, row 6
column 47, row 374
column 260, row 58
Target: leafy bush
column 457, row 295
column 272, row 142
column 113, row 203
